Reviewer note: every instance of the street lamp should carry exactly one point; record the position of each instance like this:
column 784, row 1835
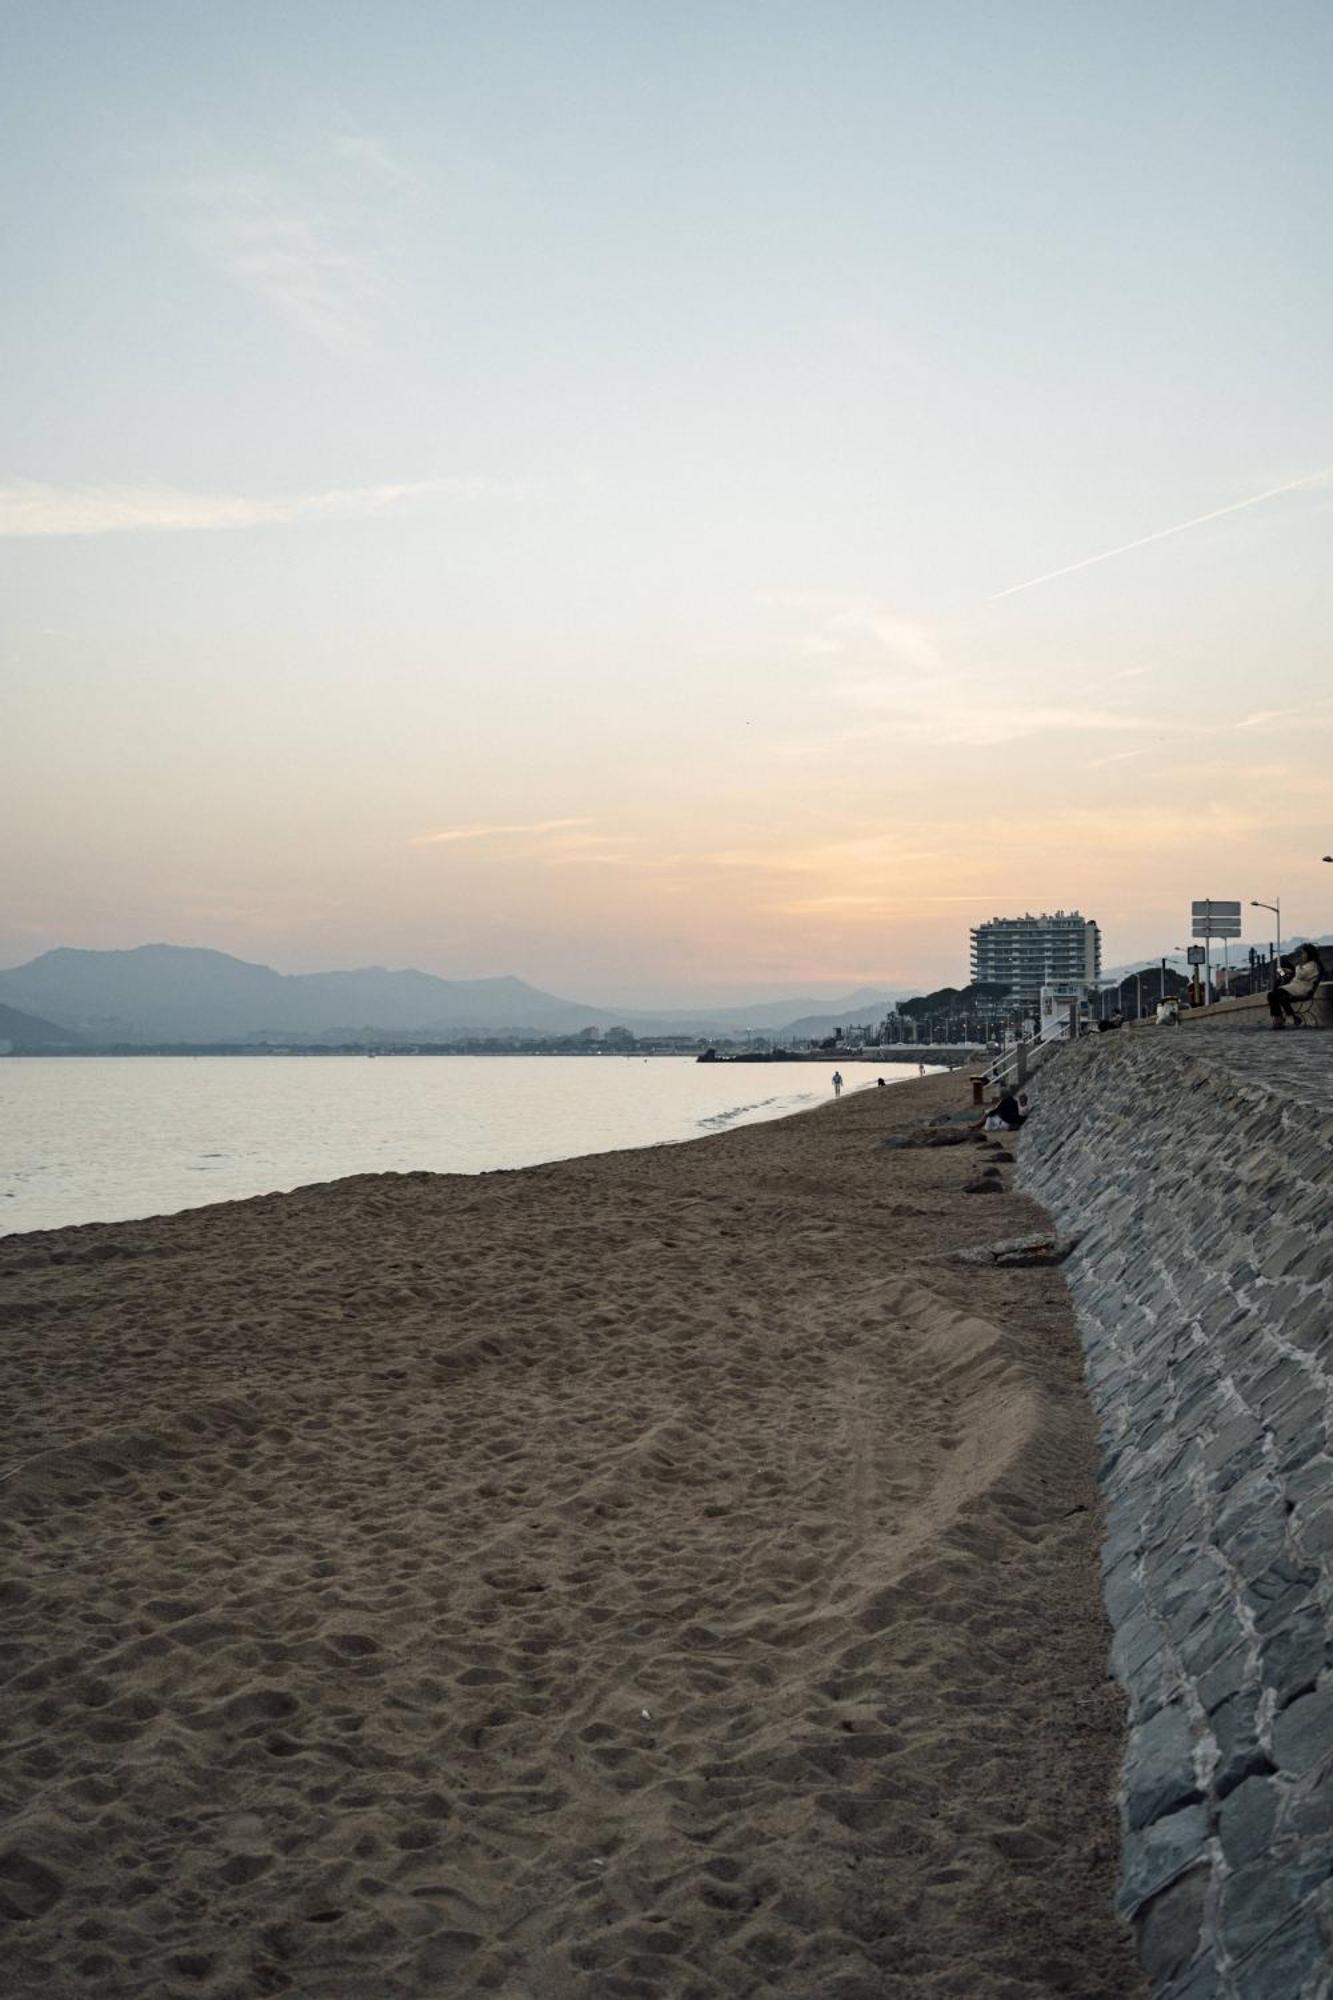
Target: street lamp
column 1276, row 908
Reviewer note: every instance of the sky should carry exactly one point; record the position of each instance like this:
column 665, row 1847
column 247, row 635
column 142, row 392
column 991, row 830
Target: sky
column 673, row 503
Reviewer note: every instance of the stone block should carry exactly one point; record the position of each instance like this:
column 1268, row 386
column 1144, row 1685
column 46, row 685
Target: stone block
column 1210, row 1641
column 1303, row 1733
column 1159, row 1768
column 1314, row 1531
column 1258, row 1497
column 1247, row 1819
column 1275, row 1388
column 1284, row 1255
column 1156, row 1683
column 1200, row 1981
column 1122, row 1590
column 1276, row 1592
column 1290, row 1967
column 1238, row 1461
column 1176, row 1577
column 1240, row 1754
column 1134, row 1643
column 1300, row 1415
column 1256, row 1901
column 1299, row 1451
column 1312, row 1481
column 1182, row 1615
column 1294, row 1655
column 1315, row 1264
column 1309, row 1867
column 1235, row 1436
column 1170, row 1926
column 1255, row 1547
column 1160, row 1853
column 1232, row 1673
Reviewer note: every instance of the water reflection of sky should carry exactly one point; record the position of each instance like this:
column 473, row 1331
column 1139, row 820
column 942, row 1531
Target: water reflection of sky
column 102, row 1139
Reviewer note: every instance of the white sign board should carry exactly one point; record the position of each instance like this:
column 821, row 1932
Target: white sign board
column 1215, row 919
column 1195, row 955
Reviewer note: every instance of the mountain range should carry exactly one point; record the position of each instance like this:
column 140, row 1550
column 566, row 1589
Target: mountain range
column 160, row 994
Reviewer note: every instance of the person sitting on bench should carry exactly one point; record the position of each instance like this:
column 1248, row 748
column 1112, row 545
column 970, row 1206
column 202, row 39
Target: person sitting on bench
column 1300, row 983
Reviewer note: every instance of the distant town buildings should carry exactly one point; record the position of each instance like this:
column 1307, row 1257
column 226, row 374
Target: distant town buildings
column 1027, row 953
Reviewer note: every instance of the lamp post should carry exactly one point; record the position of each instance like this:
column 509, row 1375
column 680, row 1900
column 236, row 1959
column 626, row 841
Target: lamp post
column 1276, row 908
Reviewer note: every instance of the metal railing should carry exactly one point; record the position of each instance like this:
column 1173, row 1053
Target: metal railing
column 1017, row 1064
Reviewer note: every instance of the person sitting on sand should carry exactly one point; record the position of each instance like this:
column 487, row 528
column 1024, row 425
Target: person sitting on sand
column 1007, row 1111
column 1306, row 972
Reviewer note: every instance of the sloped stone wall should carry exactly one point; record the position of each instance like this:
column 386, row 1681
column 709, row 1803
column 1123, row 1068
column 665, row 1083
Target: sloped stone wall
column 1197, row 1172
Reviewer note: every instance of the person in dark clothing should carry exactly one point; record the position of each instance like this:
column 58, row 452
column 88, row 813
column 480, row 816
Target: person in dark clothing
column 1010, row 1111
column 1304, row 975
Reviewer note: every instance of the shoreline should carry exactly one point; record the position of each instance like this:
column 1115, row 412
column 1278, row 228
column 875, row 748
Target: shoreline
column 169, row 1182
column 662, row 1571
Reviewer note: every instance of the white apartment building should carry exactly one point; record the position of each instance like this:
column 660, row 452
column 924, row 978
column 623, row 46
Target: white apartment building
column 1027, row 953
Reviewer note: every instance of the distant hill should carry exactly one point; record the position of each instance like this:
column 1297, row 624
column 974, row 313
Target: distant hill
column 867, row 1003
column 162, row 993
column 26, row 1032
column 169, row 993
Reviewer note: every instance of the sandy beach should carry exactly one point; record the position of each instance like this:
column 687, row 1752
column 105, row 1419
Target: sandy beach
column 666, row 1573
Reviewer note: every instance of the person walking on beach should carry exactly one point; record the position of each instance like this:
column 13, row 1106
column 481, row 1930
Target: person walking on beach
column 837, row 1083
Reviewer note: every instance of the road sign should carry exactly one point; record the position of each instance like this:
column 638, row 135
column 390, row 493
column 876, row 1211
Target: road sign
column 1214, row 919
column 1195, row 955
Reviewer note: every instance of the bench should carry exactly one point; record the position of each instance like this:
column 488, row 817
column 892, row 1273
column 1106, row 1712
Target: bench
column 1317, row 1010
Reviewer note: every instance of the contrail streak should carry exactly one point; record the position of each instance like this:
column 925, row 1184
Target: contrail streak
column 1309, row 479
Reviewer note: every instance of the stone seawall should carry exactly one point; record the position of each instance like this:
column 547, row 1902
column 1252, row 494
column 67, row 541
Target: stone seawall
column 1196, row 1173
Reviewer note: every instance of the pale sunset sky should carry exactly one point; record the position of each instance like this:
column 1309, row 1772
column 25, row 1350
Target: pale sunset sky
column 667, row 500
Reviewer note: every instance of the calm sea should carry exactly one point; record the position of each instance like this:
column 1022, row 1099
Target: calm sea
column 104, row 1139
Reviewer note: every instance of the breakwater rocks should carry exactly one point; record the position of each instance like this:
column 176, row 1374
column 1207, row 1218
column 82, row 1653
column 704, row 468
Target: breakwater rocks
column 1196, row 1172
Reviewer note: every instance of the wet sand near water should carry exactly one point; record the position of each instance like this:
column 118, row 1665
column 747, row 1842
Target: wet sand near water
column 660, row 1574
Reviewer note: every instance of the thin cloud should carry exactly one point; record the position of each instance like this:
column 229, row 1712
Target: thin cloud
column 897, row 667
column 31, row 508
column 313, row 243
column 843, row 622
column 1310, row 715
column 493, row 832
column 859, row 906
column 957, row 711
column 1162, row 534
column 372, row 157
column 287, row 248
column 1116, row 757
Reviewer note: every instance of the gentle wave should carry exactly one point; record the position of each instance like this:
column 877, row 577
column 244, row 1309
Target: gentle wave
column 718, row 1121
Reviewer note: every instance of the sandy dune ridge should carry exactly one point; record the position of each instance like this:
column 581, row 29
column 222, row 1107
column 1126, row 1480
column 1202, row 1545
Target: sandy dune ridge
column 659, row 1574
